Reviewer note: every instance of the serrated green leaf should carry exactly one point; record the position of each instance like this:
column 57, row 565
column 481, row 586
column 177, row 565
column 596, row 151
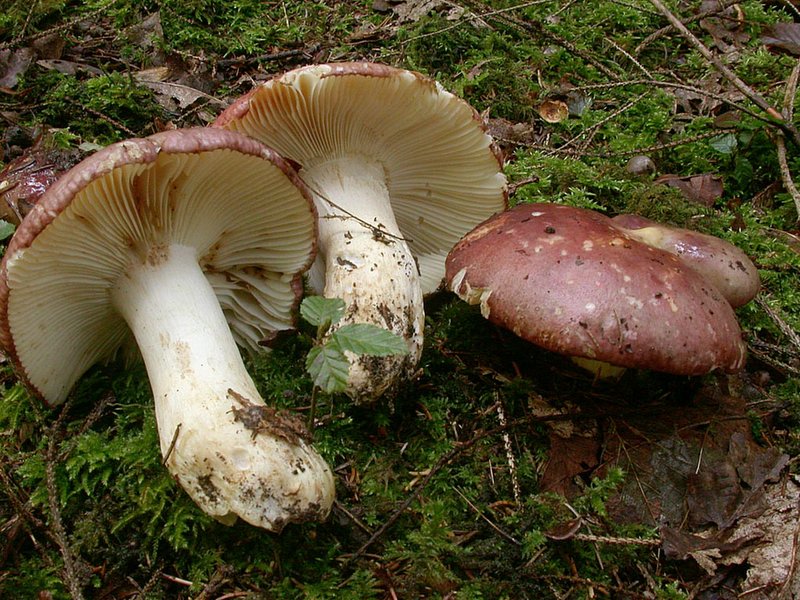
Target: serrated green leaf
column 6, row 229
column 363, row 338
column 322, row 312
column 328, row 367
column 724, row 144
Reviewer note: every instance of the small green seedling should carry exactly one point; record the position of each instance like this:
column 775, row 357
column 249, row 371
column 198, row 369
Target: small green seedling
column 326, row 361
column 6, row 229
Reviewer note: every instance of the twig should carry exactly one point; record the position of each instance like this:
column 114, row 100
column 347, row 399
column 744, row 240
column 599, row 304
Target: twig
column 721, row 7
column 512, row 463
column 57, row 526
column 358, row 522
column 784, row 327
column 790, row 7
column 62, row 27
column 646, row 150
column 171, row 447
column 106, row 118
column 497, row 528
column 591, row 131
column 629, row 56
column 780, row 142
column 679, row 86
column 225, row 62
column 606, row 588
column 615, row 541
column 726, row 72
column 447, row 457
column 533, row 27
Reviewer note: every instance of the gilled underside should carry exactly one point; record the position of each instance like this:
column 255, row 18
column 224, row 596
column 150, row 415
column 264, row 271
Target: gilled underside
column 160, row 249
column 400, row 169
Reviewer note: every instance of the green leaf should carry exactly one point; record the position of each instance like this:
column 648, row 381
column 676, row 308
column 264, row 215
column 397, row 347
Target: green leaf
column 724, row 144
column 6, row 229
column 328, row 367
column 363, row 338
column 322, row 312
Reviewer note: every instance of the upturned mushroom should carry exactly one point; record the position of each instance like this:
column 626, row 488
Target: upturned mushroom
column 184, row 241
column 567, row 279
column 399, row 169
column 722, row 264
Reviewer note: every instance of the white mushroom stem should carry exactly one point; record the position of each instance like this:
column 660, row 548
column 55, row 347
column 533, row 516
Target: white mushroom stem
column 368, row 264
column 231, row 453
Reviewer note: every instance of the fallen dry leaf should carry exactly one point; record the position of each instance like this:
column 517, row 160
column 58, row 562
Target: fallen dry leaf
column 413, row 10
column 782, row 38
column 174, row 96
column 13, row 65
column 703, row 189
column 568, row 458
column 772, row 562
column 68, row 67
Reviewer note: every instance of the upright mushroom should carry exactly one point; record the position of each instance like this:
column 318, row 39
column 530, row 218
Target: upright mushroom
column 399, row 168
column 186, row 239
column 569, row 280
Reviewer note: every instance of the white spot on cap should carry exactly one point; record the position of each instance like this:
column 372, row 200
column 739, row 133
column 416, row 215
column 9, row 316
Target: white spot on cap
column 536, row 214
column 588, row 245
column 635, row 302
column 590, row 306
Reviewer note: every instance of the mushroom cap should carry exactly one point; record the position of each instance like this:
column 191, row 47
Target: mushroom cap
column 240, row 206
column 443, row 172
column 722, row 264
column 568, row 280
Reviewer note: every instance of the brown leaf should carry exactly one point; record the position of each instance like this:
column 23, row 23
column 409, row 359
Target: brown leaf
column 68, row 67
column 13, row 65
column 704, row 549
column 568, row 458
column 174, row 96
column 782, row 38
column 566, row 530
column 414, row 10
column 755, row 466
column 703, row 189
column 713, row 493
column 770, row 561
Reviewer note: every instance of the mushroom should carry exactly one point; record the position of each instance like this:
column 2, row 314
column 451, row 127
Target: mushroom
column 722, row 264
column 399, row 169
column 187, row 241
column 569, row 280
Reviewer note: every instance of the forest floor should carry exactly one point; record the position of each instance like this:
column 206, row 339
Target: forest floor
column 500, row 470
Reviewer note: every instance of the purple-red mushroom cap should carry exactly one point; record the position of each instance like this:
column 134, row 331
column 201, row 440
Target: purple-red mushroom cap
column 568, row 280
column 720, row 263
column 186, row 242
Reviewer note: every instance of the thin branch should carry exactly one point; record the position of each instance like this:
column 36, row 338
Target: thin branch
column 679, row 86
column 722, row 5
column 56, row 524
column 621, row 153
column 538, row 29
column 780, row 142
column 784, row 327
column 726, row 72
column 592, row 131
column 90, row 16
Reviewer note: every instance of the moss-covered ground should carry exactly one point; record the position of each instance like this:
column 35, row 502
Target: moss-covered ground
column 496, row 472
